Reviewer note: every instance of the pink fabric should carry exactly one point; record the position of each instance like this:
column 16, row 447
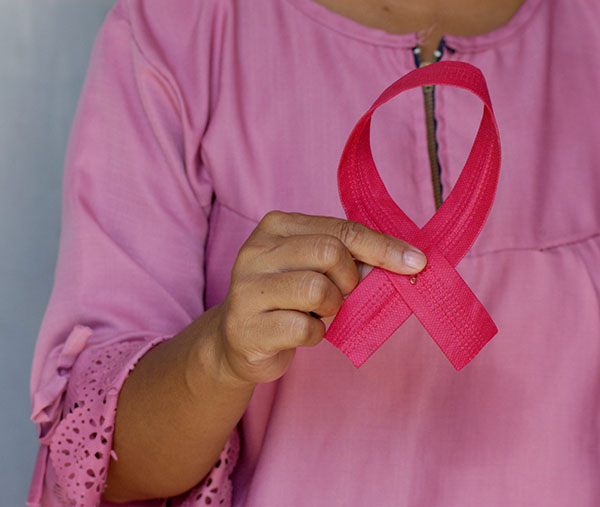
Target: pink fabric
column 198, row 117
column 438, row 296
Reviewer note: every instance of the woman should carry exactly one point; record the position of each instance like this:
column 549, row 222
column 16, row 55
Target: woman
column 180, row 321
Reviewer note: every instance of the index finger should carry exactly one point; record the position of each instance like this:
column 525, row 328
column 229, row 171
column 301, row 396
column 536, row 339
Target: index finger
column 365, row 244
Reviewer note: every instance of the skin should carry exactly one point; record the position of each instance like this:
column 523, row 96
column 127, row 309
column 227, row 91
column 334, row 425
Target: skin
column 184, row 397
column 431, row 18
column 181, row 402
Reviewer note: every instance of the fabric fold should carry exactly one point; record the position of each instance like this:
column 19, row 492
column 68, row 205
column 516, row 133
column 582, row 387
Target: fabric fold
column 46, row 402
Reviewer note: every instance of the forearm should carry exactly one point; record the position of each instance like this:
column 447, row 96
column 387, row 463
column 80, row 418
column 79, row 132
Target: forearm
column 175, row 413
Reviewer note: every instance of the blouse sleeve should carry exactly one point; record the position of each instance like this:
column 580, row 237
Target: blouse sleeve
column 130, row 268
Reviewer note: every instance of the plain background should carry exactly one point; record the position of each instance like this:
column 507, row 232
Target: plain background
column 45, row 49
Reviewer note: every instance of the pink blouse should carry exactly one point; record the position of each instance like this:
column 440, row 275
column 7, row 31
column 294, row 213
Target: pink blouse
column 198, row 117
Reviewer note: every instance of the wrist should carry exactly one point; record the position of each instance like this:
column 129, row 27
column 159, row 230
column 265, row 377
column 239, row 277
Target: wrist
column 208, row 361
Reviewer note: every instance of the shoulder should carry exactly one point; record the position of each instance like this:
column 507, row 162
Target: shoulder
column 179, row 24
column 175, row 45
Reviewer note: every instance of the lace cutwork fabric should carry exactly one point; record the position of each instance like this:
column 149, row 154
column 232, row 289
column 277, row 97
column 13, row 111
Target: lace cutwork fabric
column 81, row 446
column 216, row 488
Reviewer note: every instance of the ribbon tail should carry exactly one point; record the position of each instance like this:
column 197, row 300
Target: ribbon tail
column 448, row 309
column 369, row 316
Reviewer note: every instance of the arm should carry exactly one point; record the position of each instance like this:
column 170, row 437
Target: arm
column 176, row 411
column 130, row 269
column 179, row 405
column 168, row 379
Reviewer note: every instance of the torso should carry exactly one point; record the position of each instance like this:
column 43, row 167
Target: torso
column 406, row 429
column 432, row 18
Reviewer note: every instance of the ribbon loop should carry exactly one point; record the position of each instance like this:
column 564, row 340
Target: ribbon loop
column 438, row 296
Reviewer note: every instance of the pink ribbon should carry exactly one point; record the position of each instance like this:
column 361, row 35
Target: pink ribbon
column 438, row 296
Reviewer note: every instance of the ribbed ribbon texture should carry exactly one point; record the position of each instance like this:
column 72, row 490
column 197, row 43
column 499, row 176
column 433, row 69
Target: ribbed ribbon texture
column 438, row 296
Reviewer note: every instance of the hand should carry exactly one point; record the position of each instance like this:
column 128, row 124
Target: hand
column 291, row 274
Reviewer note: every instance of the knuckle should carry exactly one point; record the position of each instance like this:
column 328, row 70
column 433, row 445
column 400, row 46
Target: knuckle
column 246, row 256
column 231, row 326
column 350, row 232
column 237, row 294
column 388, row 248
column 272, row 218
column 314, row 288
column 298, row 217
column 240, row 264
column 317, row 332
column 301, row 328
column 329, row 250
column 307, row 331
column 240, row 333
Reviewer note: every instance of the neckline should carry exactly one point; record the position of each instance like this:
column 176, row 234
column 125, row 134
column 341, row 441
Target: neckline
column 376, row 36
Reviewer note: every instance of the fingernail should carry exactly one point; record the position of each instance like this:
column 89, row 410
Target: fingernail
column 414, row 259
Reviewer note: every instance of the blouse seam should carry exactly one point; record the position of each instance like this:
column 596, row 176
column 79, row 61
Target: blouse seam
column 176, row 92
column 543, row 248
column 239, row 213
column 390, row 44
column 404, row 39
column 462, row 43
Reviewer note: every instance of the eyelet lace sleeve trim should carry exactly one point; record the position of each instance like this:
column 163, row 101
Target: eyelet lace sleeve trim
column 216, row 488
column 81, row 446
column 82, row 443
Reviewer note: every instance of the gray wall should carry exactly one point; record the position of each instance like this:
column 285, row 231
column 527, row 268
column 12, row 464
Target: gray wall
column 44, row 50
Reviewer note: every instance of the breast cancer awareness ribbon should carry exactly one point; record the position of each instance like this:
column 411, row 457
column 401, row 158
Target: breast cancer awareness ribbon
column 438, row 296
